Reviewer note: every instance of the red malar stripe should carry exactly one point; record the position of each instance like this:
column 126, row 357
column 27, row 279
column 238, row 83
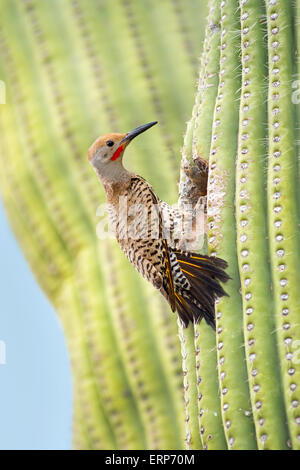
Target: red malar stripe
column 117, row 153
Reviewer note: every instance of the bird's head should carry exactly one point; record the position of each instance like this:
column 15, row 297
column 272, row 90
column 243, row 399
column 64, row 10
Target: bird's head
column 106, row 153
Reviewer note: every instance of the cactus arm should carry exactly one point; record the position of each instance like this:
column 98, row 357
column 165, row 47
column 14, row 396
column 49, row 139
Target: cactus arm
column 259, row 331
column 282, row 196
column 235, row 398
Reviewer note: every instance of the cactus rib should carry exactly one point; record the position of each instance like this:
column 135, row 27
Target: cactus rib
column 282, row 205
column 260, row 341
column 186, row 336
column 209, row 405
column 235, row 399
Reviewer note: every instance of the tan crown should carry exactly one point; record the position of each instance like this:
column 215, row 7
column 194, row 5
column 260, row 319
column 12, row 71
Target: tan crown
column 101, row 142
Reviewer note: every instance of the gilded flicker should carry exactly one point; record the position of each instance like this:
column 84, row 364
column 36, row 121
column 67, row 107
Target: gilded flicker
column 190, row 282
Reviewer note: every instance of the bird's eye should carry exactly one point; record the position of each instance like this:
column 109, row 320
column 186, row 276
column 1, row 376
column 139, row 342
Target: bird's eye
column 109, row 143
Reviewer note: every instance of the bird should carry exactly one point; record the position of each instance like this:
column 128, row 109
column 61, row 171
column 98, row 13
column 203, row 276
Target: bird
column 189, row 281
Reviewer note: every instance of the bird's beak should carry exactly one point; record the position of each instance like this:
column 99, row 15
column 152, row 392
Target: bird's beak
column 138, row 130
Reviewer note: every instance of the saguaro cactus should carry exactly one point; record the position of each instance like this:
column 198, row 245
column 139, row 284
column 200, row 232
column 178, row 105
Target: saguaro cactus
column 245, row 123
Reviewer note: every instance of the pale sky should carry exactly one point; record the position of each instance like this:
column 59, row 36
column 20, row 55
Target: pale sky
column 35, row 382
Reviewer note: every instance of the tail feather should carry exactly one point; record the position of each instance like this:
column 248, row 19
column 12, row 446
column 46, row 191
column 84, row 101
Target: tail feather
column 204, row 274
column 183, row 310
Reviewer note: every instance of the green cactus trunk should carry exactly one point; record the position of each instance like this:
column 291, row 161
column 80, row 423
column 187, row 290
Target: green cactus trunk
column 78, row 68
column 75, row 69
column 244, row 122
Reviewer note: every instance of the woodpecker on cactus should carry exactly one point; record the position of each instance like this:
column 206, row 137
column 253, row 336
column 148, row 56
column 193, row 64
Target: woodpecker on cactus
column 190, row 282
